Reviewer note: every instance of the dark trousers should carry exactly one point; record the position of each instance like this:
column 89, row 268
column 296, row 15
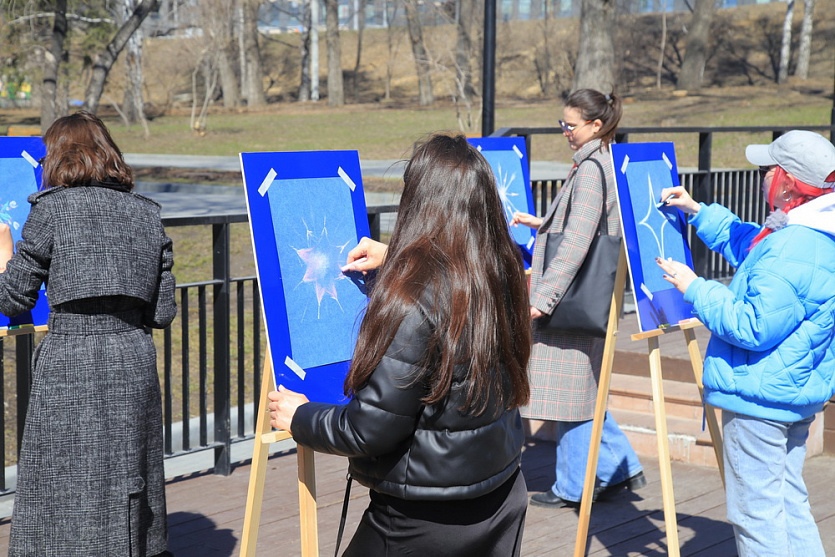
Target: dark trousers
column 488, row 526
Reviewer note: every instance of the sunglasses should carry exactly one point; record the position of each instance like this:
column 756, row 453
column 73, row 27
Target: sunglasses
column 765, row 170
column 568, row 128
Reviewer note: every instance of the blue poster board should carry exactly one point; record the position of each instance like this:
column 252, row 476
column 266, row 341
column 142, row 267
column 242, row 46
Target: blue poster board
column 642, row 170
column 509, row 160
column 20, row 176
column 306, row 211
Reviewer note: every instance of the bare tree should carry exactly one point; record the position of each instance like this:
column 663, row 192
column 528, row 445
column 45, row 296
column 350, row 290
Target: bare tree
column 803, row 51
column 393, row 38
column 104, row 60
column 336, row 91
column 422, row 61
column 661, row 49
column 786, row 44
column 253, row 84
column 464, row 46
column 217, row 18
column 205, row 70
column 314, row 50
column 595, row 67
column 360, row 31
column 134, row 103
column 50, row 110
column 304, row 55
column 696, row 48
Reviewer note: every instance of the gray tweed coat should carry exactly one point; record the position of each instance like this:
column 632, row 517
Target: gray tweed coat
column 90, row 474
column 564, row 368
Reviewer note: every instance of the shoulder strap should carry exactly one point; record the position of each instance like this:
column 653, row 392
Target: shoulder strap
column 600, row 225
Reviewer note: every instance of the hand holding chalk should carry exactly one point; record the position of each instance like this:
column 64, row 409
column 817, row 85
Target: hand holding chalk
column 678, row 197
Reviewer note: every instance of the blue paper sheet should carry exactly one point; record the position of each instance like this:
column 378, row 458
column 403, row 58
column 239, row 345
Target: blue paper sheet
column 642, row 170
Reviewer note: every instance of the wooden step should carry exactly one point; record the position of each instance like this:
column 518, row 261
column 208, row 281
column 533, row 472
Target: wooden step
column 631, row 404
column 687, row 441
column 630, row 392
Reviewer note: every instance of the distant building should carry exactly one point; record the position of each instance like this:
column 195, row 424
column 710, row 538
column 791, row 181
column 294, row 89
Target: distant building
column 287, row 15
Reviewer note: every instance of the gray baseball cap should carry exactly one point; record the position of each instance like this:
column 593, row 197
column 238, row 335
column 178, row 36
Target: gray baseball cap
column 807, row 156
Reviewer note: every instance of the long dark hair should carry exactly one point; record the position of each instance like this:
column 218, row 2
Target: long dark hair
column 79, row 150
column 594, row 105
column 451, row 239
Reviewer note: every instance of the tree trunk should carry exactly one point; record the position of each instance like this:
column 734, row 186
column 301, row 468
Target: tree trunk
column 695, row 53
column 595, row 66
column 786, row 44
column 134, row 105
column 360, row 30
column 228, row 80
column 802, row 70
column 314, row 50
column 240, row 31
column 104, row 61
column 463, row 48
column 304, row 54
column 50, row 111
column 336, row 91
column 425, row 96
column 254, row 84
column 392, row 44
column 661, row 50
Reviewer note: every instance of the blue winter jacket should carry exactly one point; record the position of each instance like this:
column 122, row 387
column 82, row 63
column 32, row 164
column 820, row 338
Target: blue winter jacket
column 772, row 350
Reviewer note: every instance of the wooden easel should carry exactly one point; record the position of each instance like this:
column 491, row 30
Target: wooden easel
column 264, row 437
column 658, row 409
column 23, row 330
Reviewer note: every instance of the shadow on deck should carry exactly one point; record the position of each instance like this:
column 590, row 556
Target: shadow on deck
column 206, row 512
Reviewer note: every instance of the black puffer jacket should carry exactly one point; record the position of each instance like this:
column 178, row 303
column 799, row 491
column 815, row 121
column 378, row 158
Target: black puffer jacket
column 398, row 446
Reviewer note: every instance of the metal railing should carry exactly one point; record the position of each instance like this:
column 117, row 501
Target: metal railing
column 210, row 358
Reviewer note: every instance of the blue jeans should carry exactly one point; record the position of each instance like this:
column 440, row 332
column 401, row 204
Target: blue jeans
column 616, row 462
column 767, row 500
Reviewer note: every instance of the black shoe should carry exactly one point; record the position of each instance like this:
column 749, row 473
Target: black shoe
column 632, row 483
column 552, row 501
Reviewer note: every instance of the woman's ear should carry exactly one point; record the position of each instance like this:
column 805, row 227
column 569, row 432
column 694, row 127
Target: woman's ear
column 597, row 125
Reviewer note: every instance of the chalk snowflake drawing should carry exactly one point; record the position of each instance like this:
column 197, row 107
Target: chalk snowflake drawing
column 505, row 181
column 652, row 216
column 322, row 265
column 5, row 213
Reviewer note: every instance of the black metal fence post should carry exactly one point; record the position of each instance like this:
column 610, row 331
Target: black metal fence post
column 221, row 332
column 699, row 251
column 24, row 347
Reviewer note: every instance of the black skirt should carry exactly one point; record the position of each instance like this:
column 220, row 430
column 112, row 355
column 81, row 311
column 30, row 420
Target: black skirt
column 488, row 526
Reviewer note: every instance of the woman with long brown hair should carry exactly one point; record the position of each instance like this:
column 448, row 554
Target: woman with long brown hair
column 90, row 472
column 439, row 372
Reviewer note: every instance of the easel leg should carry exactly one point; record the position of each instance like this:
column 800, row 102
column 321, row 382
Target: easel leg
column 663, row 448
column 601, row 404
column 307, row 502
column 264, row 437
column 258, row 469
column 710, row 412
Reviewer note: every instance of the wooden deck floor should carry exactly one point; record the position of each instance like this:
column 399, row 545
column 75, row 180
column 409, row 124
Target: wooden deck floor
column 206, row 512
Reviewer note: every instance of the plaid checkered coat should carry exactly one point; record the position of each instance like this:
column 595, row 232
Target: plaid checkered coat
column 564, row 368
column 90, row 474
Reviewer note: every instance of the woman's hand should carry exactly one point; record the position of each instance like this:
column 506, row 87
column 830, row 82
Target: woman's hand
column 678, row 197
column 677, row 274
column 536, row 314
column 526, row 219
column 283, row 405
column 367, row 256
column 6, row 246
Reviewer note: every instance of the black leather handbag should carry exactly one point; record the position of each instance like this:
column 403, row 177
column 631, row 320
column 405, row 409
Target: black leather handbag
column 585, row 306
